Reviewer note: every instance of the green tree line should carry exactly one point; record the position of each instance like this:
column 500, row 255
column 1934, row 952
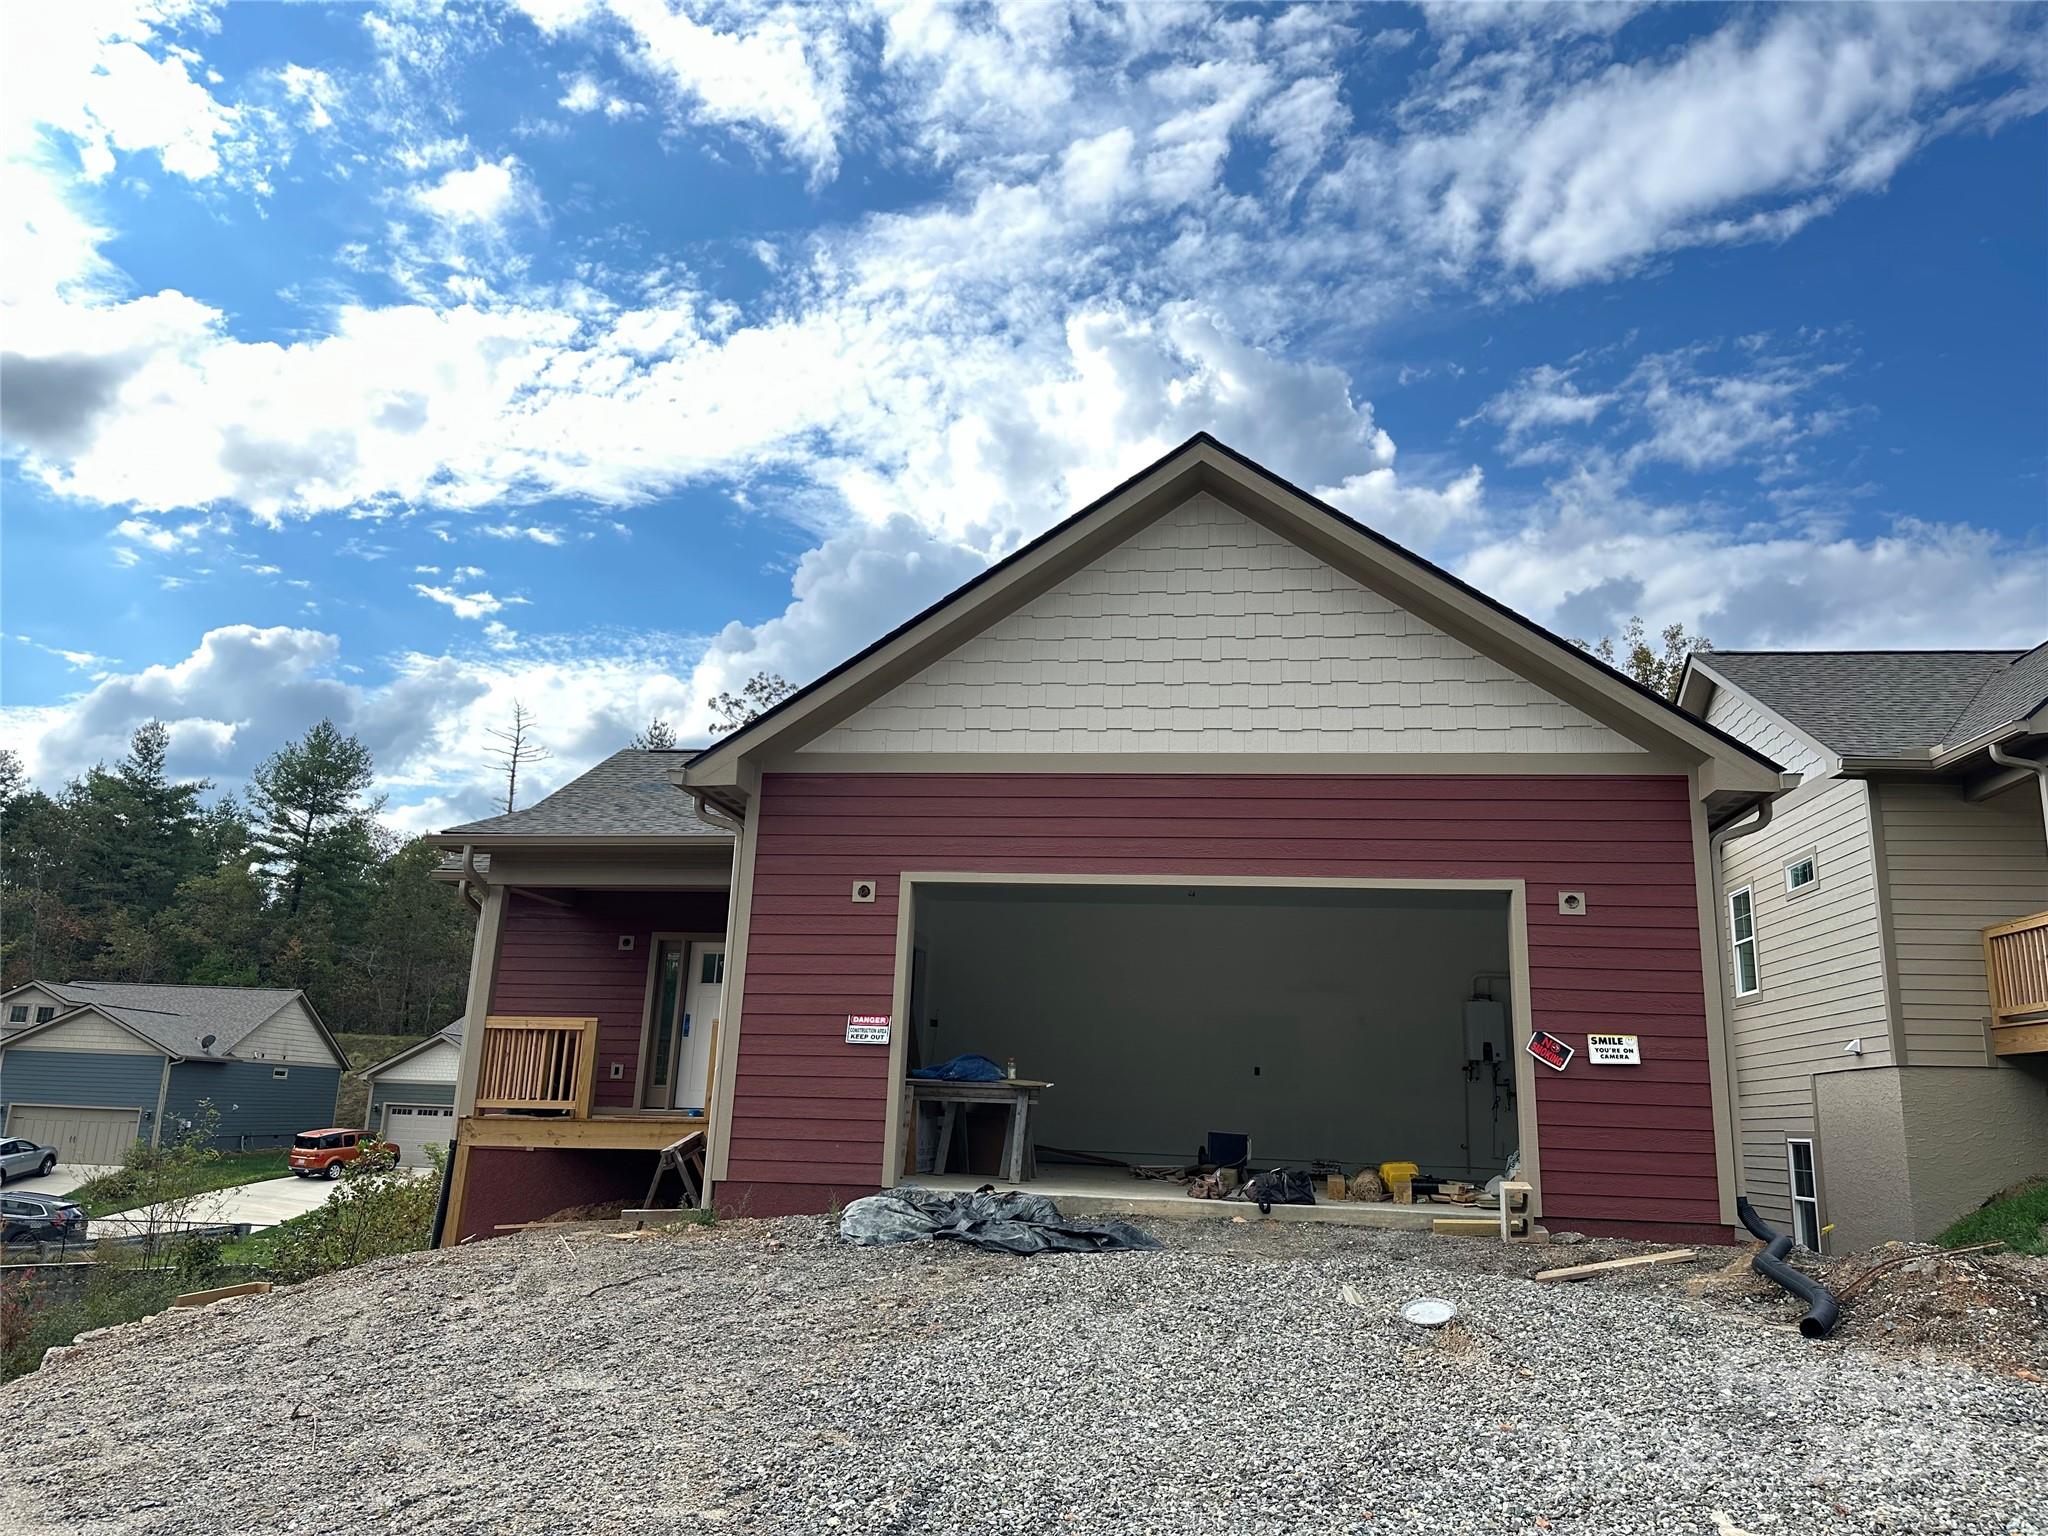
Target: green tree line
column 126, row 874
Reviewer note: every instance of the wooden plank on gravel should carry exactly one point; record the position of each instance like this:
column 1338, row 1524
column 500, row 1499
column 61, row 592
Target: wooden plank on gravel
column 1581, row 1271
column 208, row 1298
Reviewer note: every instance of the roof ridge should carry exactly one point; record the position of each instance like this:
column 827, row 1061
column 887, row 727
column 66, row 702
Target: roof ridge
column 1998, row 650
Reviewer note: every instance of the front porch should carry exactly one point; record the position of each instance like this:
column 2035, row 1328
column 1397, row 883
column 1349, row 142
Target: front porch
column 599, row 1047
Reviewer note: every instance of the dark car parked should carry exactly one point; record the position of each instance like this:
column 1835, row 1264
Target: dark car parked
column 41, row 1219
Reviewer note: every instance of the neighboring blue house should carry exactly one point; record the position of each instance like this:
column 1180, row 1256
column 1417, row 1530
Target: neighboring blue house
column 412, row 1095
column 91, row 1067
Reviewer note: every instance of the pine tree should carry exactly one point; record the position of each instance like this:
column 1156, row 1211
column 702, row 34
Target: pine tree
column 310, row 815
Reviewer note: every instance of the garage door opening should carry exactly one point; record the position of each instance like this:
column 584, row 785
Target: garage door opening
column 1335, row 1027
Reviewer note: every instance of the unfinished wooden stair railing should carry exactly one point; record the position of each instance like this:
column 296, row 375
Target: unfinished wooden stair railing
column 537, row 1065
column 2016, row 971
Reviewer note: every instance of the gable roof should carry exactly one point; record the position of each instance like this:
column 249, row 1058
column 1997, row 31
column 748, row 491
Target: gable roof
column 74, row 1012
column 1203, row 463
column 450, row 1034
column 1889, row 704
column 193, row 1022
column 630, row 794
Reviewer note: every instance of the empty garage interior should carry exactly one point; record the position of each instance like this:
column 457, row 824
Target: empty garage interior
column 1353, row 1026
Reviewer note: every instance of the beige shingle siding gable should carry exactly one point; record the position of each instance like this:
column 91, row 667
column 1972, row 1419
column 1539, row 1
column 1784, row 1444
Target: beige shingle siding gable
column 89, row 1031
column 1207, row 632
column 436, row 1064
column 1740, row 717
column 290, row 1036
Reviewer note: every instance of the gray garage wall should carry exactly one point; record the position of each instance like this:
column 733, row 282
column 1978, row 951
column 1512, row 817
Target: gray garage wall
column 254, row 1106
column 85, row 1078
column 1323, row 1026
column 383, row 1092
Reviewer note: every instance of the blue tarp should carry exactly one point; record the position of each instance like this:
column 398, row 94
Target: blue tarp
column 963, row 1069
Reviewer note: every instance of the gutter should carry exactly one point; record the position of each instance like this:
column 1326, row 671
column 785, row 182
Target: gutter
column 2039, row 769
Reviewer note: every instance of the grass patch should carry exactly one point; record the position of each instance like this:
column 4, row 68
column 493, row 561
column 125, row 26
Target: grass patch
column 259, row 1249
column 2018, row 1217
column 125, row 1188
column 367, row 1050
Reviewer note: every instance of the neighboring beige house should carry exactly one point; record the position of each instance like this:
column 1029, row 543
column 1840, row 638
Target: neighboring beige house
column 1882, row 1089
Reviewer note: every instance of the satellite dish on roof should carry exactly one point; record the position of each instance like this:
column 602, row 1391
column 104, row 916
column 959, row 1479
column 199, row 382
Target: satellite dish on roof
column 206, row 1042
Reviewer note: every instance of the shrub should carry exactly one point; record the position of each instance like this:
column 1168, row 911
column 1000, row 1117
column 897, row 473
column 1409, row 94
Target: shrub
column 379, row 1209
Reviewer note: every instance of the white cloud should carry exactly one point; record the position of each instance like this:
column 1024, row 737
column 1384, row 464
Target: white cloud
column 1747, row 133
column 485, row 193
column 244, row 691
column 1542, row 399
column 535, row 532
column 315, row 92
column 775, row 70
column 466, row 605
column 586, row 93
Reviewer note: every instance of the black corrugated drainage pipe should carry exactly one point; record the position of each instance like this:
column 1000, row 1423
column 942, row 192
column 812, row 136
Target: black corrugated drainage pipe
column 1821, row 1312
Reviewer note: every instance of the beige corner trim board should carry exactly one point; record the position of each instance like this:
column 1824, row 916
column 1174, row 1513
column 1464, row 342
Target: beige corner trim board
column 1518, row 966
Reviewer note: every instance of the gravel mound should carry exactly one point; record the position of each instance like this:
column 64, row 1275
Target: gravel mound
column 764, row 1377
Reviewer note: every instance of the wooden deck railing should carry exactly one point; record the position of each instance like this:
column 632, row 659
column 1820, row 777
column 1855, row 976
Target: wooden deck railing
column 537, row 1064
column 2016, row 970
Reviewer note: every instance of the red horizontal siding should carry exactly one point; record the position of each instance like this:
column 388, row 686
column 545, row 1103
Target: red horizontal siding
column 1634, row 1147
column 565, row 962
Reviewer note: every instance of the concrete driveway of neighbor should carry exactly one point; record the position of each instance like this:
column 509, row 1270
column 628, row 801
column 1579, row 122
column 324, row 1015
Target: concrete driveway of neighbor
column 262, row 1204
column 61, row 1182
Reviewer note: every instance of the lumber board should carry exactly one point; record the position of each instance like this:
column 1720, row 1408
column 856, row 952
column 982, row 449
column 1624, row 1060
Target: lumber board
column 222, row 1293
column 1581, row 1271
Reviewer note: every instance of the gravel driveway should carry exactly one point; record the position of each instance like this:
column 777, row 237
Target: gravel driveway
column 762, row 1377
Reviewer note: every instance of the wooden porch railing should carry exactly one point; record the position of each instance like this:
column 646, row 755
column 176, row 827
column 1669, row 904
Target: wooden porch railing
column 537, row 1064
column 2016, row 970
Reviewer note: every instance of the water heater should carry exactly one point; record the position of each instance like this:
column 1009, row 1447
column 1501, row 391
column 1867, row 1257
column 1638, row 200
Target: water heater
column 1486, row 1030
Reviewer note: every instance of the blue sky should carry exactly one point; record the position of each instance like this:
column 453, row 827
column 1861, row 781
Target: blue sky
column 394, row 363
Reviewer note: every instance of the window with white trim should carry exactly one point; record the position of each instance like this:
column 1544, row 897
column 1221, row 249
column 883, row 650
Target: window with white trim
column 1805, row 1192
column 1742, row 942
column 1802, row 874
column 280, row 1072
column 17, row 1013
column 46, row 1013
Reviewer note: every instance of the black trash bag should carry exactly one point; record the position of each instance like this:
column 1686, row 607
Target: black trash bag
column 1283, row 1186
column 1009, row 1221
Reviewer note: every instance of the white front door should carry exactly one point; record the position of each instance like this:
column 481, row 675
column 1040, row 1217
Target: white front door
column 697, row 1038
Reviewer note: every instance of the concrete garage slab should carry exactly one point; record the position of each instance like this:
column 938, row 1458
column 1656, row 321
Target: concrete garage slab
column 61, row 1181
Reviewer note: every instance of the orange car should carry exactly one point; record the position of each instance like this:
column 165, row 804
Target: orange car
column 320, row 1154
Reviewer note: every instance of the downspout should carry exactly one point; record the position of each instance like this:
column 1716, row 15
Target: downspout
column 1733, row 832
column 711, row 811
column 2039, row 769
column 473, row 885
column 1821, row 1312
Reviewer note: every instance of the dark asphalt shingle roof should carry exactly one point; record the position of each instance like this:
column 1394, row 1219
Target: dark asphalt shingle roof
column 1891, row 703
column 626, row 795
column 179, row 1018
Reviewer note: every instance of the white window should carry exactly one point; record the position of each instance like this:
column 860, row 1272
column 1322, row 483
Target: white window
column 280, row 1071
column 1805, row 1193
column 1802, row 874
column 1742, row 940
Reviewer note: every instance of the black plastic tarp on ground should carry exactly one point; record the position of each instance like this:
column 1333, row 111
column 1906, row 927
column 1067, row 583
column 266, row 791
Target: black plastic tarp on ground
column 1008, row 1220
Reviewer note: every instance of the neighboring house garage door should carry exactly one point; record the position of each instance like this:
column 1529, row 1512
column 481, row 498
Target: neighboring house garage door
column 80, row 1135
column 415, row 1127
